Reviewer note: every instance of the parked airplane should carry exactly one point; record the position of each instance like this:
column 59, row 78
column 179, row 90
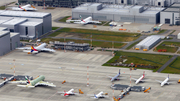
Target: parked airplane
column 27, row 7
column 70, row 92
column 99, row 95
column 87, row 20
column 36, row 82
column 165, row 81
column 40, row 48
column 140, row 79
column 115, row 77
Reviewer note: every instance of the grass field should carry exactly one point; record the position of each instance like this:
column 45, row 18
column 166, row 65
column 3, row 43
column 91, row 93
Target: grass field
column 94, row 43
column 99, row 35
column 169, row 46
column 54, row 28
column 64, row 19
column 141, row 58
column 133, row 45
column 162, row 31
column 174, row 67
column 172, row 32
column 2, row 7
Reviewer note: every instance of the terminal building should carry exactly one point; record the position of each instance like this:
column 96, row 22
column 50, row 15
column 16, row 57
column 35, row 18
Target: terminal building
column 171, row 15
column 29, row 25
column 71, row 46
column 118, row 13
column 9, row 41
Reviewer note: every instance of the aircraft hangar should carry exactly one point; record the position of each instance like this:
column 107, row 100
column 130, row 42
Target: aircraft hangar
column 9, row 40
column 29, row 25
column 119, row 13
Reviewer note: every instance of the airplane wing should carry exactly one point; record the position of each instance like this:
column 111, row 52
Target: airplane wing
column 78, row 22
column 171, row 82
column 90, row 95
column 146, row 80
column 21, row 82
column 61, row 92
column 121, row 78
column 94, row 22
column 109, row 76
column 134, row 79
column 25, row 48
column 45, row 84
column 75, row 20
column 105, row 96
column 28, row 86
column 48, row 50
column 159, row 81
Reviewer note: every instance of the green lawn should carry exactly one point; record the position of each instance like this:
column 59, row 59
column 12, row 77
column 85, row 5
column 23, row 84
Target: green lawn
column 54, row 28
column 94, row 43
column 99, row 35
column 133, row 45
column 174, row 67
column 172, row 48
column 2, row 7
column 107, row 24
column 141, row 58
column 172, row 32
column 64, row 19
column 162, row 31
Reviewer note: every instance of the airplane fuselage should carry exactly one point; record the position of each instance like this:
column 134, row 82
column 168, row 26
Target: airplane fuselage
column 70, row 92
column 35, row 81
column 138, row 80
column 165, row 82
column 115, row 77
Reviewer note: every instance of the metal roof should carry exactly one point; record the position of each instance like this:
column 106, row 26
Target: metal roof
column 15, row 21
column 30, row 23
column 149, row 40
column 3, row 28
column 3, row 33
column 23, row 14
column 13, row 34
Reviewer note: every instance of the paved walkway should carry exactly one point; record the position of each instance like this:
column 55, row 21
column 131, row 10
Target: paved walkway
column 167, row 63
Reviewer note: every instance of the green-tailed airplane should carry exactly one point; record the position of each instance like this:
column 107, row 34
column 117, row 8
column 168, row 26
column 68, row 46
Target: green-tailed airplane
column 36, row 82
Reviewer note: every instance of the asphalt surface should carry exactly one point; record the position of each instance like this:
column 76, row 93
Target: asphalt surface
column 167, row 63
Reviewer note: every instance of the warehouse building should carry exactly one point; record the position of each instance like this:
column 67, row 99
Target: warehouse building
column 149, row 42
column 171, row 15
column 29, row 25
column 118, row 13
column 9, row 41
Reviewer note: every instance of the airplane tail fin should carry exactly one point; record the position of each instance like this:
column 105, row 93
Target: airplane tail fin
column 95, row 96
column 144, row 73
column 27, row 80
column 33, row 7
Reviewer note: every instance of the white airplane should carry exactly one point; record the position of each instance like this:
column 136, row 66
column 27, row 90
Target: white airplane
column 27, row 7
column 115, row 77
column 40, row 48
column 88, row 20
column 70, row 92
column 99, row 95
column 140, row 79
column 33, row 83
column 165, row 81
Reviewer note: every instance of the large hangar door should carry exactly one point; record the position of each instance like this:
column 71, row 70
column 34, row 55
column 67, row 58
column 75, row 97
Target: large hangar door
column 167, row 21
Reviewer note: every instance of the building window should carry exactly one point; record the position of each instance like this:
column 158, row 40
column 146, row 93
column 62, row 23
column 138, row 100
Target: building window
column 26, row 30
column 11, row 30
column 167, row 21
column 122, row 1
column 159, row 3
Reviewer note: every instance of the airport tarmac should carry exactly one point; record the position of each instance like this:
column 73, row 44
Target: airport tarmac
column 72, row 67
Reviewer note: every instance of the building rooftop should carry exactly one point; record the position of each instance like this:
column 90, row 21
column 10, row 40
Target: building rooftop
column 3, row 28
column 30, row 23
column 15, row 21
column 173, row 8
column 119, row 9
column 23, row 14
column 13, row 34
column 2, row 33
